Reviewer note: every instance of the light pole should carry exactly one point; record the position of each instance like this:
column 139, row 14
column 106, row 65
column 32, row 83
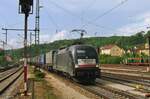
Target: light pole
column 148, row 68
column 31, row 34
column 149, row 53
column 26, row 8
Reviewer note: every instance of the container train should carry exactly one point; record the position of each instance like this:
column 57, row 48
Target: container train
column 79, row 62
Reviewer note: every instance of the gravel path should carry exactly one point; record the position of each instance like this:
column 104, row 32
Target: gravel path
column 64, row 90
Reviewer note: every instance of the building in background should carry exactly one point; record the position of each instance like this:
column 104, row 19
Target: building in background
column 112, row 50
column 1, row 49
column 8, row 58
column 143, row 49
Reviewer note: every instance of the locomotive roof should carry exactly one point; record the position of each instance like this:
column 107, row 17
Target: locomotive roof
column 70, row 48
column 74, row 46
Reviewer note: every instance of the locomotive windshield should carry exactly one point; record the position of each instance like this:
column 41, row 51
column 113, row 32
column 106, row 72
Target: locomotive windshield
column 86, row 53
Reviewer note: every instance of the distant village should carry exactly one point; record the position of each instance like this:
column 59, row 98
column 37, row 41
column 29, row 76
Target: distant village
column 114, row 50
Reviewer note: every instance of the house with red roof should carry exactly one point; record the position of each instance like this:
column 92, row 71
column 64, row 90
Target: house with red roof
column 112, row 50
column 143, row 49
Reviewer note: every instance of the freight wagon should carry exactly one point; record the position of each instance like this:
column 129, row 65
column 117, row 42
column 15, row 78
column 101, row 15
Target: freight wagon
column 49, row 58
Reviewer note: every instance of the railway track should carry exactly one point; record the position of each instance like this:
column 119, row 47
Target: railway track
column 107, row 92
column 129, row 78
column 140, row 85
column 102, row 91
column 123, row 70
column 7, row 72
column 136, row 81
column 8, row 80
column 98, row 90
column 119, row 93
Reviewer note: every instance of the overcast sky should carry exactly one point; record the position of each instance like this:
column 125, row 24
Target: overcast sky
column 97, row 17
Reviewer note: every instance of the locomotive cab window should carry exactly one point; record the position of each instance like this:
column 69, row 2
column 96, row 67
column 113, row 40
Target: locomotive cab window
column 86, row 53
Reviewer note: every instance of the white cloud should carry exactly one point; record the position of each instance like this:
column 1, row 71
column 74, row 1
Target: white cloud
column 59, row 36
column 13, row 43
column 44, row 38
column 141, row 22
column 142, row 16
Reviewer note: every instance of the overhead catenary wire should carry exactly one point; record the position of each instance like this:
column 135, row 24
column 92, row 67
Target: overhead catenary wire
column 105, row 13
column 66, row 11
column 88, row 7
column 95, row 19
column 62, row 8
column 51, row 19
column 85, row 20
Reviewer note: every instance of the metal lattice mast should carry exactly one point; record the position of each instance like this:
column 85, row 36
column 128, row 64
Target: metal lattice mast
column 37, row 23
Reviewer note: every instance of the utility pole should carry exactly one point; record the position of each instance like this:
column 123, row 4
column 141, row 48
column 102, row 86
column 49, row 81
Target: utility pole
column 26, row 8
column 30, row 44
column 5, row 43
column 5, row 34
column 149, row 52
column 37, row 23
column 37, row 27
column 31, row 34
column 31, row 38
column 148, row 37
column 3, row 48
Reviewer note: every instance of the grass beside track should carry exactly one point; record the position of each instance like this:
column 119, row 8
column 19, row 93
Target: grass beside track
column 42, row 89
column 146, row 73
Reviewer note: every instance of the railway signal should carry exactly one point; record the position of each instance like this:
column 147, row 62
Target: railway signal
column 26, row 8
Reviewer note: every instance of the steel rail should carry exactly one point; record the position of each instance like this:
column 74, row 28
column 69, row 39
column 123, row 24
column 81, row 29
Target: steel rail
column 9, row 80
column 124, row 94
column 4, row 78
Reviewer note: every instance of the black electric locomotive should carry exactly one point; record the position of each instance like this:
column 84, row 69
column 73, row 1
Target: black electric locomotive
column 77, row 61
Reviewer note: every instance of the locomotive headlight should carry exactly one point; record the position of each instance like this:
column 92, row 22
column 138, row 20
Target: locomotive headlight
column 97, row 65
column 76, row 66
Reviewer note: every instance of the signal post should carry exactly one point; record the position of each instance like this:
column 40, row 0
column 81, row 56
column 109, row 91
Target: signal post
column 26, row 8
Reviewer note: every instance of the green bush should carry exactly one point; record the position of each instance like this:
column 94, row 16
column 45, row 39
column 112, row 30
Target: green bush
column 39, row 74
column 107, row 59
